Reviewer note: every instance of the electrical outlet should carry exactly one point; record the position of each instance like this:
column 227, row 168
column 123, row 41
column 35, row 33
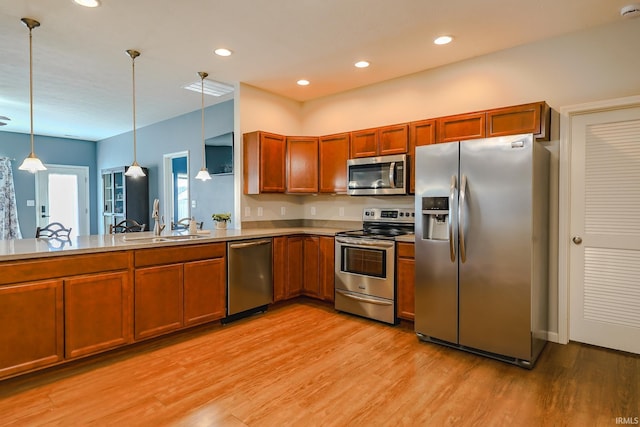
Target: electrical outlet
column 283, row 211
column 313, row 210
column 259, row 210
column 341, row 211
column 31, row 202
column 247, row 211
column 194, row 204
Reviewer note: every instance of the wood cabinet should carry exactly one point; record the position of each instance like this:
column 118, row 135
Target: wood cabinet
column 381, row 141
column 302, row 164
column 422, row 132
column 405, row 276
column 32, row 334
column 263, row 163
column 527, row 118
column 97, row 313
column 125, row 197
column 461, row 127
column 303, row 265
column 178, row 287
column 333, row 156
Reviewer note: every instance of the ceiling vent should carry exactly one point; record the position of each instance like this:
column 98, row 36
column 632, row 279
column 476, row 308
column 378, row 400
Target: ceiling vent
column 630, row 11
column 3, row 120
column 211, row 87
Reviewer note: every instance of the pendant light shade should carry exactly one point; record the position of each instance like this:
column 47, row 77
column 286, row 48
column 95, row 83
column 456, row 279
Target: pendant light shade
column 134, row 170
column 31, row 163
column 203, row 173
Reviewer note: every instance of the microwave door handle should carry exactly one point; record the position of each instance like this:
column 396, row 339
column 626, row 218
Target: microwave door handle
column 392, row 175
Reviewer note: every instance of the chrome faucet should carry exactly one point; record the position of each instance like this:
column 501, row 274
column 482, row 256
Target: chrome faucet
column 157, row 227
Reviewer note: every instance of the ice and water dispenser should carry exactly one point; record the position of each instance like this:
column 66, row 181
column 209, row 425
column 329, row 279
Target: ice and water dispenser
column 435, row 218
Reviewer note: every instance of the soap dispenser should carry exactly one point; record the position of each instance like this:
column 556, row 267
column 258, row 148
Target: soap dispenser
column 193, row 227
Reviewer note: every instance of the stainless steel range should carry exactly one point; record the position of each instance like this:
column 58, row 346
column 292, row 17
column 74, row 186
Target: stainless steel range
column 365, row 264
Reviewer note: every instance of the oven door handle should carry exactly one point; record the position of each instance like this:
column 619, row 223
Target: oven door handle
column 363, row 299
column 368, row 243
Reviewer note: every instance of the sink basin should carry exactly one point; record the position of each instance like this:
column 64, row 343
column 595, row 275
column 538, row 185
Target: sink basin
column 159, row 239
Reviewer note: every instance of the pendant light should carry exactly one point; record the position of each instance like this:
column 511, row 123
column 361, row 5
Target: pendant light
column 203, row 174
column 31, row 163
column 134, row 170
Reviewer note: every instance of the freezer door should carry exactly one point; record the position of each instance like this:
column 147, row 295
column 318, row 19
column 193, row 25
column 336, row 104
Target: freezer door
column 436, row 280
column 495, row 219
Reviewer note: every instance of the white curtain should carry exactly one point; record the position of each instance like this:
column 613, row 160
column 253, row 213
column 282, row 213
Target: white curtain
column 9, row 227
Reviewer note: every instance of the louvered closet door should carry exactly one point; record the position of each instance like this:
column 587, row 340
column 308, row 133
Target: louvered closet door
column 605, row 216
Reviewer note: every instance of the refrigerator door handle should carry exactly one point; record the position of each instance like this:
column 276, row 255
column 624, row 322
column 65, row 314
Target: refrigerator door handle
column 452, row 195
column 461, row 218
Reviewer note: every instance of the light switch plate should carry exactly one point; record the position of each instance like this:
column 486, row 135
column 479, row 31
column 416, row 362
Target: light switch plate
column 31, row 202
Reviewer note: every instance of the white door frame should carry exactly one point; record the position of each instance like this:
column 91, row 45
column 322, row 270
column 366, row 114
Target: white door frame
column 564, row 221
column 167, row 169
column 84, row 219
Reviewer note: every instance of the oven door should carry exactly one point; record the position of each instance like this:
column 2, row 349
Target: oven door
column 365, row 266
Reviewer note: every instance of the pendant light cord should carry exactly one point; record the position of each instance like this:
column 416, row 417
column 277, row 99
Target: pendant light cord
column 202, row 76
column 31, row 85
column 133, row 79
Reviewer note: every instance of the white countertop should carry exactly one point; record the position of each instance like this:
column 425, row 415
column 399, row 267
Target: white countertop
column 38, row 248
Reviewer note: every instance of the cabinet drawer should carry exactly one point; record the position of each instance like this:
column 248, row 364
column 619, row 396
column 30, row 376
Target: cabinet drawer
column 176, row 254
column 406, row 250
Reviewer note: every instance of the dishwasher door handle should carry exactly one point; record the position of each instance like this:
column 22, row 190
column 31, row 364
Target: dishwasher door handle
column 248, row 244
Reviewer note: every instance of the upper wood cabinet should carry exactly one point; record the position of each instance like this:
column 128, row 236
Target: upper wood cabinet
column 302, row 164
column 263, row 163
column 422, row 132
column 461, row 127
column 527, row 118
column 334, row 153
column 381, row 141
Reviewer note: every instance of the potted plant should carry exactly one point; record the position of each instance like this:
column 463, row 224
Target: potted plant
column 221, row 220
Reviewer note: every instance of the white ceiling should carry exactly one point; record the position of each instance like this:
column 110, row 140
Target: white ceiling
column 82, row 76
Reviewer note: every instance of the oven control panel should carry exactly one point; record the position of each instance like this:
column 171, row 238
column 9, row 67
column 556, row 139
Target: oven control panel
column 403, row 215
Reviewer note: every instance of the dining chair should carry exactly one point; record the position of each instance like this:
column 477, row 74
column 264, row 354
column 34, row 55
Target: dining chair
column 53, row 230
column 127, row 226
column 183, row 224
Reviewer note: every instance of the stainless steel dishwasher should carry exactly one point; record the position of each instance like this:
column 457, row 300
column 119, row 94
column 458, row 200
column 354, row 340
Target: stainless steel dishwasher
column 250, row 277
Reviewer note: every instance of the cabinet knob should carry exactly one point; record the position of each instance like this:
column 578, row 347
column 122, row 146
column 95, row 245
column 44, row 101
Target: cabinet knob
column 577, row 240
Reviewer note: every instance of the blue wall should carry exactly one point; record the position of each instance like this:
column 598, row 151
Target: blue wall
column 182, row 133
column 58, row 151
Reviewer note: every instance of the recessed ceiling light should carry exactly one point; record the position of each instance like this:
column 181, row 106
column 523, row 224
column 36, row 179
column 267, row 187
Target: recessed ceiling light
column 303, row 82
column 88, row 3
column 222, row 52
column 443, row 40
column 362, row 64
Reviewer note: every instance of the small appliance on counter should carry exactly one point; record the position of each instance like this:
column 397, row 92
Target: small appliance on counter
column 365, row 264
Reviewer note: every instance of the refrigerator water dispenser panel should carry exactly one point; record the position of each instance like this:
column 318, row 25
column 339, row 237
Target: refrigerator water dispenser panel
column 435, row 218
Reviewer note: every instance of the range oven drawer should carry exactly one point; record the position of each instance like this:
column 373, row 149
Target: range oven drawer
column 381, row 309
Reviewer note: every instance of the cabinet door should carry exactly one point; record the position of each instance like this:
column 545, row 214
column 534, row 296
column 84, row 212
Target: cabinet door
column 327, row 268
column 280, row 262
column 420, row 133
column 295, row 275
column 31, row 316
column 405, row 265
column 311, row 252
column 334, row 153
column 158, row 300
column 461, row 127
column 364, row 143
column 97, row 313
column 272, row 163
column 393, row 140
column 204, row 291
column 302, row 165
column 528, row 118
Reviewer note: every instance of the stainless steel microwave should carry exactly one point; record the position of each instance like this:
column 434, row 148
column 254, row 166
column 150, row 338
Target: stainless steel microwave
column 377, row 176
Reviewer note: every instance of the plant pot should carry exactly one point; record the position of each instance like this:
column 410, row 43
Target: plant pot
column 221, row 225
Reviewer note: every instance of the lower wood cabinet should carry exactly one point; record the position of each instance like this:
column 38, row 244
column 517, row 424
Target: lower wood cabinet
column 303, row 265
column 97, row 313
column 31, row 315
column 188, row 291
column 405, row 277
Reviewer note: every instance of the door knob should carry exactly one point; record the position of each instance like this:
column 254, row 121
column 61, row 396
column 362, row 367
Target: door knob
column 577, row 240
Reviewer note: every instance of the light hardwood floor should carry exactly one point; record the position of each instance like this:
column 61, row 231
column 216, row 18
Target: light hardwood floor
column 303, row 364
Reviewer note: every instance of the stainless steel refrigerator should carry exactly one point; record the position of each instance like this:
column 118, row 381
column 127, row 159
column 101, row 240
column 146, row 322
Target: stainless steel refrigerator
column 482, row 246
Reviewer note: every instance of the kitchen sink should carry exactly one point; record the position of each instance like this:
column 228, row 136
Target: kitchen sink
column 159, row 239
